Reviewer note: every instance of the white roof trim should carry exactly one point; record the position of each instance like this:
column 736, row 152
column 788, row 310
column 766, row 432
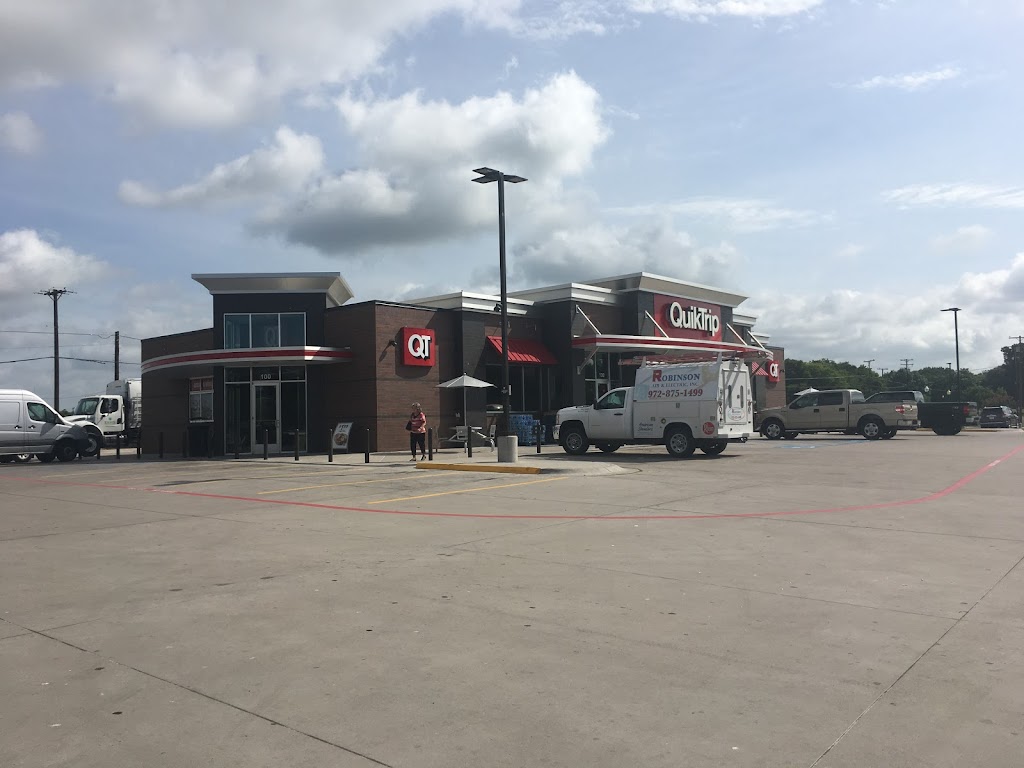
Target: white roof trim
column 331, row 284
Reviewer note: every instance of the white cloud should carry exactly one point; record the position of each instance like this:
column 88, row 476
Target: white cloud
column 598, row 250
column 887, row 325
column 911, row 81
column 414, row 183
column 28, row 264
column 700, row 9
column 276, row 169
column 850, row 252
column 194, row 62
column 966, row 194
column 19, row 134
column 969, row 238
column 744, row 215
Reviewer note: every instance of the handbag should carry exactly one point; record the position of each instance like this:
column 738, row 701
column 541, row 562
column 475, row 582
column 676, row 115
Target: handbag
column 408, row 426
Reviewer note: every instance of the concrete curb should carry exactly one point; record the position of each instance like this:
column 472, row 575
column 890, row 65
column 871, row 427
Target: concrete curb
column 502, row 469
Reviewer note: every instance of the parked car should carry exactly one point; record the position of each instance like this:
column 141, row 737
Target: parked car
column 999, row 416
column 839, row 410
column 29, row 426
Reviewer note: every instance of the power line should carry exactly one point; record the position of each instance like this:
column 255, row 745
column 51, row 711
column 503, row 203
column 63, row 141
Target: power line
column 76, row 333
column 65, row 357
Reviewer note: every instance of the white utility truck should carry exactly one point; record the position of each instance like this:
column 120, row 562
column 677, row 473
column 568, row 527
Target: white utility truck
column 118, row 412
column 683, row 406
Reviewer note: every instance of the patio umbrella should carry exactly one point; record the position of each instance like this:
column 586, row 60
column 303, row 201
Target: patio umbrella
column 464, row 382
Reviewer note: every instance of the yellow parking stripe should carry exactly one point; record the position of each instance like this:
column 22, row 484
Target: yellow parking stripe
column 467, row 490
column 327, row 485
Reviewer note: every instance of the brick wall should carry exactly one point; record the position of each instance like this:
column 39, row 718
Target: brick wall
column 165, row 393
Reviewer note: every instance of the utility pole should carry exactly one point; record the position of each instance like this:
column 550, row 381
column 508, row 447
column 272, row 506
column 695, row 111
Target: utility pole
column 868, row 363
column 55, row 294
column 906, row 362
column 117, row 355
column 881, row 371
column 1017, row 359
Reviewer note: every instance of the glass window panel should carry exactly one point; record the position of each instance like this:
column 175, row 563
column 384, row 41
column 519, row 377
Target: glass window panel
column 293, row 415
column 293, row 373
column 266, row 373
column 236, row 374
column 236, row 331
column 293, row 330
column 265, row 331
column 237, row 409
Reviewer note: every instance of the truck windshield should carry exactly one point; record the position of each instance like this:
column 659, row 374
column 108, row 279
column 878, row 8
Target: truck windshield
column 86, row 406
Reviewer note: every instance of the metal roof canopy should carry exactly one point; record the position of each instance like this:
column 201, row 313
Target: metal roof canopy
column 331, row 284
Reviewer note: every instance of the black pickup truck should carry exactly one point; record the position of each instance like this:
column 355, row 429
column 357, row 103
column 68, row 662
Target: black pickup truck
column 941, row 418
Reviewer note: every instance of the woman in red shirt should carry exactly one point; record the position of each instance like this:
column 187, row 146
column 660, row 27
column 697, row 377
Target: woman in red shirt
column 418, row 432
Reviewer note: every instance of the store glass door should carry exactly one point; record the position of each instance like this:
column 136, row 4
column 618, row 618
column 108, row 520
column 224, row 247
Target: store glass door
column 266, row 416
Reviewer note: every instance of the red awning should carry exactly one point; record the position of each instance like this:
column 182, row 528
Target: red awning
column 527, row 351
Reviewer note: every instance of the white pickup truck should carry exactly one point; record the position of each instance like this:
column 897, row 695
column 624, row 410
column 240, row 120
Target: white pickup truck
column 680, row 406
column 838, row 410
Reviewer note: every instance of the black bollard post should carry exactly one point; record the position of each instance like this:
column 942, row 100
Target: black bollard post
column 266, row 445
column 160, row 444
column 236, row 443
column 540, row 432
column 366, row 452
column 296, row 445
column 117, row 445
column 184, row 445
column 469, row 442
column 430, row 443
column 330, row 445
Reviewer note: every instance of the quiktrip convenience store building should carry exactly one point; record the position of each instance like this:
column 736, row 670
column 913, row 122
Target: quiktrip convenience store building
column 289, row 356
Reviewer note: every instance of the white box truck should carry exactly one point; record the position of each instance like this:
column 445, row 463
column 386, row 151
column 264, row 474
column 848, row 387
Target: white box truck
column 118, row 412
column 682, row 406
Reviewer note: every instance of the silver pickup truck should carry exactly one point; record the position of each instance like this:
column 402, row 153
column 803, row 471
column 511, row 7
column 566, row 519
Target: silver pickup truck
column 838, row 410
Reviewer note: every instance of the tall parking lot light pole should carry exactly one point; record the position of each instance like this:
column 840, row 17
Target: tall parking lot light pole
column 956, row 332
column 487, row 175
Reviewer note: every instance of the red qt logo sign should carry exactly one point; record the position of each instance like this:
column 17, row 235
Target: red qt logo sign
column 773, row 371
column 418, row 346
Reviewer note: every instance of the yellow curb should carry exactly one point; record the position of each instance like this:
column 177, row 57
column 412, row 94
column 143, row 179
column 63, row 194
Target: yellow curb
column 508, row 470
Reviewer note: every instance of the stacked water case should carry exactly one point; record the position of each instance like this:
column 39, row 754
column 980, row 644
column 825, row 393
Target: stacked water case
column 524, row 426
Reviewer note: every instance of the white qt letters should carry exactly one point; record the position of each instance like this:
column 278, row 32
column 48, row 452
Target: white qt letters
column 419, row 346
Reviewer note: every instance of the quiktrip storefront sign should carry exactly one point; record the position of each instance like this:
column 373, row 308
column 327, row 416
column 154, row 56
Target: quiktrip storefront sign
column 418, row 347
column 687, row 319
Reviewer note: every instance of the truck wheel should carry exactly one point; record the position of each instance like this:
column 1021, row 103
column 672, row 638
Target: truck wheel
column 680, row 443
column 872, row 428
column 773, row 429
column 575, row 442
column 791, row 435
column 23, row 458
column 713, row 449
column 889, row 434
column 93, row 443
column 65, row 451
column 608, row 447
column 46, row 458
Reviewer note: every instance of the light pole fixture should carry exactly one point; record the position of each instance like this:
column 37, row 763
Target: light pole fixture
column 956, row 336
column 487, row 175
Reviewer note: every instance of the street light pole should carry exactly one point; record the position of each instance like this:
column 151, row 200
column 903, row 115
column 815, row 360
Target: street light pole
column 486, row 176
column 956, row 336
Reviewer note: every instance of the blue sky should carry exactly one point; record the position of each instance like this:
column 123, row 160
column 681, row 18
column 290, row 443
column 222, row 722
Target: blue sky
column 852, row 166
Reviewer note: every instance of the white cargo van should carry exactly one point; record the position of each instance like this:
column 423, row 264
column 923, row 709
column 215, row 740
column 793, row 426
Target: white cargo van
column 683, row 406
column 29, row 426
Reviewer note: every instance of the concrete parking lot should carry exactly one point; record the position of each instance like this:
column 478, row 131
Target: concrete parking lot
column 822, row 602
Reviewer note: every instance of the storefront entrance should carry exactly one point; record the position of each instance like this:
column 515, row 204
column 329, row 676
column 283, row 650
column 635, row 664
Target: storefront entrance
column 269, row 403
